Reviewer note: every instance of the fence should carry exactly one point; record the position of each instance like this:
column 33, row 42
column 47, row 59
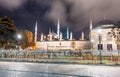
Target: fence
column 62, row 56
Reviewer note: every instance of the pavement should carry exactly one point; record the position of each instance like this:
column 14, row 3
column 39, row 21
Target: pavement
column 26, row 69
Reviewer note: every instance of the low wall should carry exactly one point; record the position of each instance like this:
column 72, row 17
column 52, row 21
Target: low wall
column 63, row 45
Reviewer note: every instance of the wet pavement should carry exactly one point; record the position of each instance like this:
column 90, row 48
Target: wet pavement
column 24, row 69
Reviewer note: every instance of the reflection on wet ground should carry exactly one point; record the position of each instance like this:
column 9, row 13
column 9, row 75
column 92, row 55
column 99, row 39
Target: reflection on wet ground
column 22, row 69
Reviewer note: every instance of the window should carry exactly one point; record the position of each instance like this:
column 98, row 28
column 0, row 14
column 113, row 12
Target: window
column 100, row 46
column 118, row 46
column 109, row 47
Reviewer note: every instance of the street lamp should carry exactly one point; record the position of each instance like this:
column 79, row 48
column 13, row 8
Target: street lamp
column 99, row 33
column 19, row 37
column 100, row 45
column 47, row 55
column 47, row 49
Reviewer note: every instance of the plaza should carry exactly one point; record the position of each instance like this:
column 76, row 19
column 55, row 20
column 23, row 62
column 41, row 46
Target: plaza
column 21, row 69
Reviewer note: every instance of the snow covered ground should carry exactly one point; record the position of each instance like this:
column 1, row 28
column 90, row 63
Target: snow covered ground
column 22, row 69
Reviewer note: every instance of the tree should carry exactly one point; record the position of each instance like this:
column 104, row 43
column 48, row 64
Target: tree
column 115, row 32
column 7, row 33
column 27, row 38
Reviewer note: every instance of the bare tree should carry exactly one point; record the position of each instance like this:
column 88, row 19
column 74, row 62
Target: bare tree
column 115, row 32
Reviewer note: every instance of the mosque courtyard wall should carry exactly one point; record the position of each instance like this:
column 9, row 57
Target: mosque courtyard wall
column 63, row 45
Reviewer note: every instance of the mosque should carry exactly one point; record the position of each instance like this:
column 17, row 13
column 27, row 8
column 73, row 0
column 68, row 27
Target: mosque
column 98, row 39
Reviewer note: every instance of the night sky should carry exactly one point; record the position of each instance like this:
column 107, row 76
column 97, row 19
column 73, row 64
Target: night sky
column 74, row 14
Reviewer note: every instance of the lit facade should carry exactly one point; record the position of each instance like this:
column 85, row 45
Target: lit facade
column 55, row 41
column 102, row 40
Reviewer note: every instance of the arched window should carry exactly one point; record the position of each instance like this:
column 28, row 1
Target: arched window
column 109, row 47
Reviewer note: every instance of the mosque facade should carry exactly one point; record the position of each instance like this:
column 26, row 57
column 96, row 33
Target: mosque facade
column 99, row 39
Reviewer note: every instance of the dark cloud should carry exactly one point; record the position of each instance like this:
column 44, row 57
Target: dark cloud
column 80, row 12
column 72, row 13
column 56, row 11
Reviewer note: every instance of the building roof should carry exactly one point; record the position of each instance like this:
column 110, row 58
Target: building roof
column 104, row 24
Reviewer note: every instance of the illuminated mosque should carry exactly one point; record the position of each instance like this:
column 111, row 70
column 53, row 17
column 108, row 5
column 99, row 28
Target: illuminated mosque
column 98, row 39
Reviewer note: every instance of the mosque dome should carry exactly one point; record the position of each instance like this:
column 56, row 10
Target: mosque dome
column 105, row 24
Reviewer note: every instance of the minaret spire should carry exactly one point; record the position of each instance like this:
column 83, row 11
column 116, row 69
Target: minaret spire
column 60, row 35
column 35, row 38
column 67, row 32
column 41, row 37
column 49, row 30
column 58, row 28
column 82, row 35
column 71, row 36
column 91, row 24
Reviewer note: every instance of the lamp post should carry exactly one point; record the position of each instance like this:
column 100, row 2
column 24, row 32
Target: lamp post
column 92, row 48
column 47, row 50
column 100, row 45
column 47, row 57
column 19, row 37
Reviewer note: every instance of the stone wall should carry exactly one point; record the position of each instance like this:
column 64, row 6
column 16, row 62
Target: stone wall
column 63, row 45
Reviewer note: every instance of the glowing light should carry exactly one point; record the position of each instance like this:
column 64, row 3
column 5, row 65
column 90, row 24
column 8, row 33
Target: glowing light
column 92, row 40
column 19, row 36
column 99, row 30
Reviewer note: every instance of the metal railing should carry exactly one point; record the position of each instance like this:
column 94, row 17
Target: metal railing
column 62, row 56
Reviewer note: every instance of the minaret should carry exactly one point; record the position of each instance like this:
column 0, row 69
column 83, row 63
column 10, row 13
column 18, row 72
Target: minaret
column 91, row 25
column 41, row 37
column 50, row 34
column 60, row 35
column 52, row 31
column 67, row 33
column 71, row 36
column 35, row 38
column 58, row 29
column 82, row 35
column 49, row 30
